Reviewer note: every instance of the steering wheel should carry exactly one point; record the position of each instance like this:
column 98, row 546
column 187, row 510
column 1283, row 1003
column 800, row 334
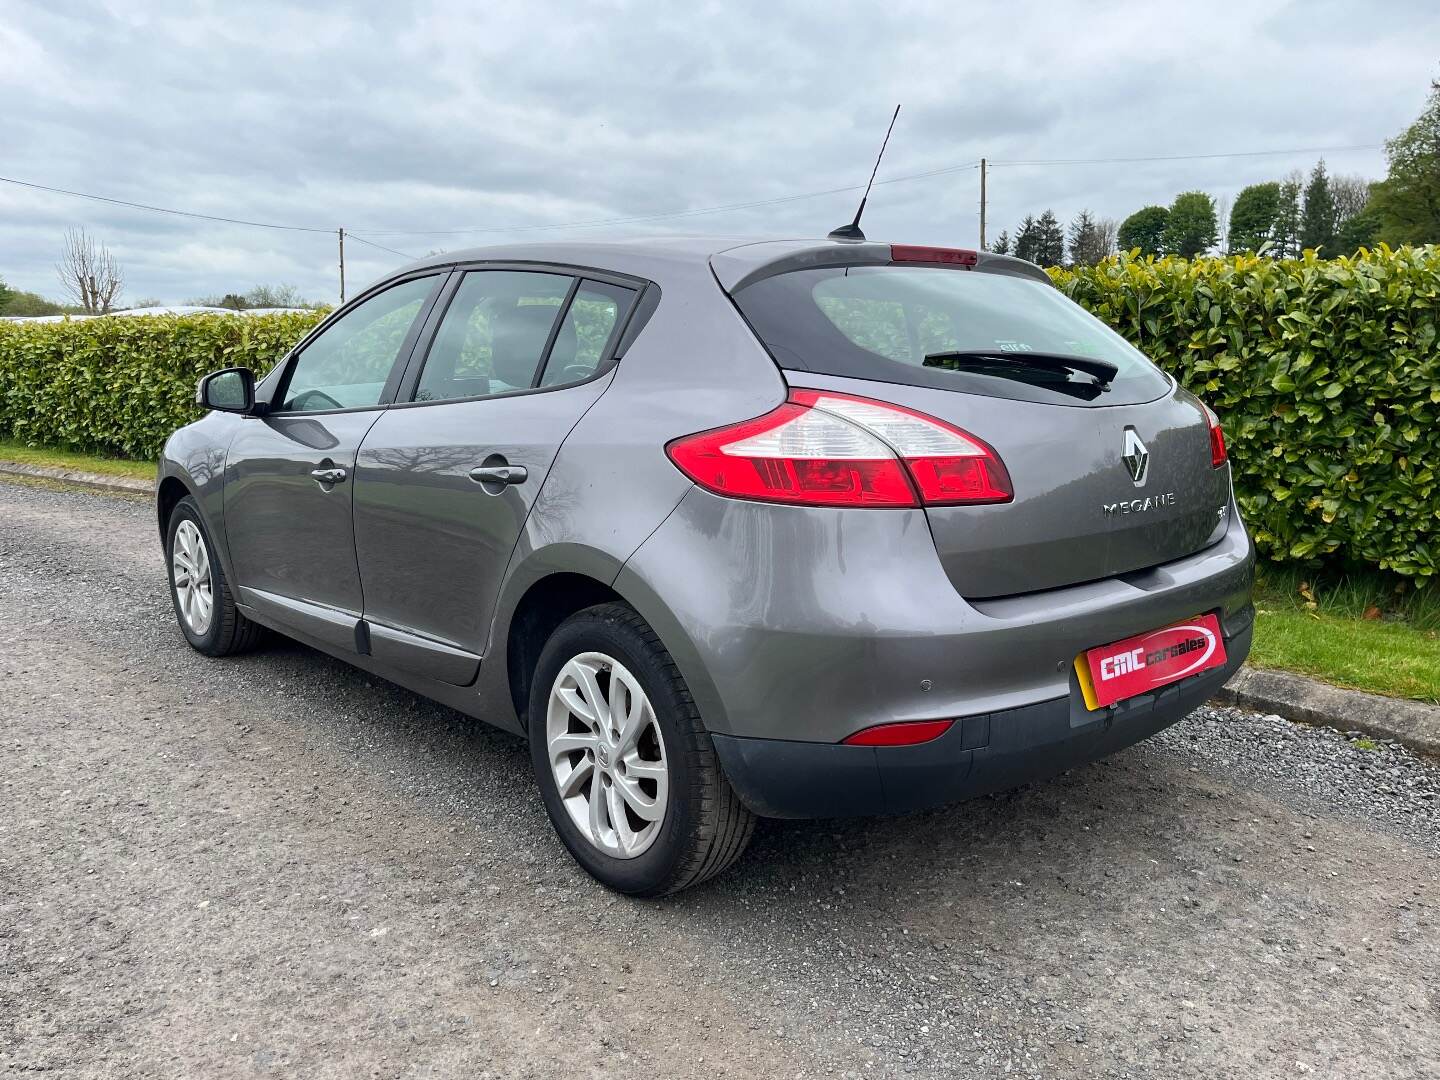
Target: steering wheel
column 576, row 372
column 298, row 403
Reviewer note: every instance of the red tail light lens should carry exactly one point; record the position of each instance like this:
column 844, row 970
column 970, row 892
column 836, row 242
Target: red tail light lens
column 1218, row 454
column 911, row 253
column 827, row 449
column 905, row 733
column 795, row 455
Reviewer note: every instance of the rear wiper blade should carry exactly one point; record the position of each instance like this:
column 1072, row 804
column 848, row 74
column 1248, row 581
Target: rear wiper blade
column 984, row 361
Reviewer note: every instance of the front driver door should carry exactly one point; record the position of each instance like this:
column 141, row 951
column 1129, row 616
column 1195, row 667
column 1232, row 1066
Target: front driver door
column 288, row 474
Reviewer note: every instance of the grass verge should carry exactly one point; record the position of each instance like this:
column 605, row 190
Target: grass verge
column 66, row 459
column 1361, row 631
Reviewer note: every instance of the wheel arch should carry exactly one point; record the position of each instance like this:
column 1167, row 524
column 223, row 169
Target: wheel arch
column 167, row 496
column 545, row 604
column 551, row 599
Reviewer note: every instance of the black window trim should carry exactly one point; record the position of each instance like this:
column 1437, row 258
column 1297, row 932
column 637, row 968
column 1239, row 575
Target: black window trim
column 403, row 356
column 553, row 336
column 646, row 294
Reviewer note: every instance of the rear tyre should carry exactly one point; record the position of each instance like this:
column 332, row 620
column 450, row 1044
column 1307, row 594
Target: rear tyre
column 626, row 768
column 204, row 606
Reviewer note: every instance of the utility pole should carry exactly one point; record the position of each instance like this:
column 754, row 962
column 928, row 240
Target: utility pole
column 342, row 264
column 982, row 204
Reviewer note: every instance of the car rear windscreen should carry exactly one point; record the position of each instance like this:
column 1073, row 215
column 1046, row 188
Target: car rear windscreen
column 897, row 324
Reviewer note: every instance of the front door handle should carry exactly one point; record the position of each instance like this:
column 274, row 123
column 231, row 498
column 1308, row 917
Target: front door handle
column 328, row 476
column 499, row 474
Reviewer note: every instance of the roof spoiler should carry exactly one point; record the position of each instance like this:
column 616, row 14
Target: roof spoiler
column 740, row 266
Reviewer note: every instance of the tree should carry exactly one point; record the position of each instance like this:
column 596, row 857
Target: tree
column 1049, row 240
column 1144, row 229
column 1090, row 240
column 1356, row 221
column 1317, row 220
column 274, row 296
column 1109, row 228
column 1001, row 246
column 1362, row 230
column 1190, row 229
column 261, row 296
column 6, row 294
column 1287, row 219
column 1025, row 238
column 1408, row 199
column 1252, row 219
column 88, row 273
column 23, row 303
column 1351, row 195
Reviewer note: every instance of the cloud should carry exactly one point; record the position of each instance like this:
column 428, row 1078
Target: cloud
column 399, row 120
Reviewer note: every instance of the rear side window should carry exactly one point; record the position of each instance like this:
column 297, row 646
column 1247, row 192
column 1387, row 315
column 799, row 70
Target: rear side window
column 493, row 335
column 587, row 332
column 883, row 322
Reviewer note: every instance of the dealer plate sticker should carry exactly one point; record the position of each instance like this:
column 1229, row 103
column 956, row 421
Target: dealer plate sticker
column 1138, row 664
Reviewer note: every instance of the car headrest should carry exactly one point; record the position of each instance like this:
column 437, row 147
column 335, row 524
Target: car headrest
column 517, row 338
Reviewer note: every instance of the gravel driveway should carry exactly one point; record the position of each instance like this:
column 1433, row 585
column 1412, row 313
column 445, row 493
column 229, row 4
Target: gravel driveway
column 276, row 865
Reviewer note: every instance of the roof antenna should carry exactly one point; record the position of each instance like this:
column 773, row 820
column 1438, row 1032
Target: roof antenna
column 852, row 231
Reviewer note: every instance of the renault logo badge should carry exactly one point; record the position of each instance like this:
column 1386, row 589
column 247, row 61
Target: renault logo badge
column 1135, row 457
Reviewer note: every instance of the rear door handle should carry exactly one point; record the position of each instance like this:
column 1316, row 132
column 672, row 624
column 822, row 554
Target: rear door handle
column 328, row 476
column 499, row 474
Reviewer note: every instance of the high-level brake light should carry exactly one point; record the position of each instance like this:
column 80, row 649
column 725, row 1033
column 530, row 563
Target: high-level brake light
column 826, row 449
column 913, row 253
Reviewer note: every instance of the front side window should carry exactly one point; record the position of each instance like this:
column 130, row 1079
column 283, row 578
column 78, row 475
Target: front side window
column 493, row 336
column 348, row 364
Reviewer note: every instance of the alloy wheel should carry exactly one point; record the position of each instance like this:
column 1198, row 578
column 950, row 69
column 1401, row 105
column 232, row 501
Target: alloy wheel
column 607, row 755
column 190, row 570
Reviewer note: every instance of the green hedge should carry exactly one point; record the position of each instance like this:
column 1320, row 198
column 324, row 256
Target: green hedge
column 1326, row 376
column 120, row 385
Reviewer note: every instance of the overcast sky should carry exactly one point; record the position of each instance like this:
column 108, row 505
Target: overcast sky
column 396, row 120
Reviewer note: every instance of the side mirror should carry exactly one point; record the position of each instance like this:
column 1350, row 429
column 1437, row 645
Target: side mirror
column 228, row 390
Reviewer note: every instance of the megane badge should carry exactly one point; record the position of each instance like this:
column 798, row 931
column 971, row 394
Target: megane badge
column 1135, row 457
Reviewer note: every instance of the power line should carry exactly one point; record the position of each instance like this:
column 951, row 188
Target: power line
column 689, row 212
column 382, row 247
column 165, row 209
column 695, row 211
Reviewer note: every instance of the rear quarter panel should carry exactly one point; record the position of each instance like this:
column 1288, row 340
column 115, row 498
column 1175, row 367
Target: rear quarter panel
column 695, row 366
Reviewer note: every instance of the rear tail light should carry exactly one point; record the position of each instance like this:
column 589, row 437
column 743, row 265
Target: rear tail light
column 1218, row 454
column 827, row 449
column 905, row 733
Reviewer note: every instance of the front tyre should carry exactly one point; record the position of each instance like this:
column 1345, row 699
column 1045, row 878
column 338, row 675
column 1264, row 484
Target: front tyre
column 204, row 606
column 627, row 770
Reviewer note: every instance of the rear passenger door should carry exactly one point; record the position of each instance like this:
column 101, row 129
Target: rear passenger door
column 446, row 477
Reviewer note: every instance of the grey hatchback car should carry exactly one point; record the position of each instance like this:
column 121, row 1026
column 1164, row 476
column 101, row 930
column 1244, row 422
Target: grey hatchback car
column 726, row 528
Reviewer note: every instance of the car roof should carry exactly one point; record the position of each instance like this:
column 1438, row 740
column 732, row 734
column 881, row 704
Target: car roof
column 735, row 260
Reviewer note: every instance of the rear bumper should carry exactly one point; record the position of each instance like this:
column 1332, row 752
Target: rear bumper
column 807, row 624
column 979, row 754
